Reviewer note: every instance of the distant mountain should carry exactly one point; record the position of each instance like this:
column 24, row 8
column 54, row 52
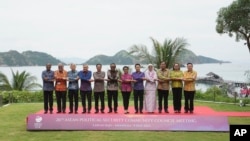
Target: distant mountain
column 26, row 58
column 123, row 58
column 34, row 58
column 203, row 59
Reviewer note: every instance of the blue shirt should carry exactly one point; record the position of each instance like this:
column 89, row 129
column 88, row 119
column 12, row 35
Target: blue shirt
column 138, row 85
column 85, row 77
column 73, row 81
column 48, row 85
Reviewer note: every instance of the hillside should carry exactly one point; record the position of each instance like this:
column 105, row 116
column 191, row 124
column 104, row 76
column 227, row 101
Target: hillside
column 27, row 58
column 123, row 58
column 34, row 58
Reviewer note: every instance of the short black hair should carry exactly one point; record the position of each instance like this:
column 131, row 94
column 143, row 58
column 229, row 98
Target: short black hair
column 98, row 64
column 112, row 64
column 190, row 64
column 125, row 67
column 137, row 64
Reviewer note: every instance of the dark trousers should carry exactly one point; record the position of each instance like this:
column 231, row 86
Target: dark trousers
column 126, row 96
column 138, row 95
column 84, row 95
column 163, row 95
column 61, row 101
column 177, row 94
column 73, row 97
column 99, row 95
column 189, row 100
column 48, row 100
column 112, row 95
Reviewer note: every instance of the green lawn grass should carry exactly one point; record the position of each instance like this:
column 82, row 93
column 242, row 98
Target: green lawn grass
column 13, row 128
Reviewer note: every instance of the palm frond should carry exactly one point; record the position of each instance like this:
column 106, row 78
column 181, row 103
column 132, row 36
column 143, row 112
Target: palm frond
column 4, row 82
column 141, row 52
column 170, row 51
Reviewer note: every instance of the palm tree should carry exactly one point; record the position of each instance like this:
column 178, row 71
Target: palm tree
column 20, row 81
column 170, row 51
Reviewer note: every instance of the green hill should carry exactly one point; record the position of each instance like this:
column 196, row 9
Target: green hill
column 27, row 58
column 123, row 58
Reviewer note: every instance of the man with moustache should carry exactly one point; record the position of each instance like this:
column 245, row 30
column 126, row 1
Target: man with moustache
column 112, row 87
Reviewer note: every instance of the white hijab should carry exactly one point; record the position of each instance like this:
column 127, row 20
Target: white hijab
column 151, row 75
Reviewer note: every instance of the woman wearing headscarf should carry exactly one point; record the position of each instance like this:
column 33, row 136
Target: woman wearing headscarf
column 150, row 89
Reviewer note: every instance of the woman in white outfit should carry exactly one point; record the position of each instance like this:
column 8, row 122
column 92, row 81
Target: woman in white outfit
column 150, row 89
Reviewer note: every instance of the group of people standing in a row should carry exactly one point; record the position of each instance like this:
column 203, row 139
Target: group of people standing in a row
column 64, row 82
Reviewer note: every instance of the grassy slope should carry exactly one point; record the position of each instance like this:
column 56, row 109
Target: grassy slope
column 13, row 128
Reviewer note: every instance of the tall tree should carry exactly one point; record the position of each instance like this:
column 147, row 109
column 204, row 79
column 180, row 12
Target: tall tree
column 170, row 51
column 235, row 19
column 20, row 81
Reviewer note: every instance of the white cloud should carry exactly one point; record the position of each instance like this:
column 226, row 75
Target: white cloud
column 84, row 28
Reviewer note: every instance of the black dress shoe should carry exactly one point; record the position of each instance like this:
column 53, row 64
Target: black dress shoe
column 116, row 112
column 191, row 112
column 136, row 112
column 70, row 112
column 166, row 111
column 76, row 112
column 45, row 112
column 58, row 112
column 110, row 112
column 83, row 112
column 102, row 112
column 96, row 112
column 64, row 112
column 186, row 111
column 89, row 112
column 141, row 112
column 51, row 112
column 159, row 111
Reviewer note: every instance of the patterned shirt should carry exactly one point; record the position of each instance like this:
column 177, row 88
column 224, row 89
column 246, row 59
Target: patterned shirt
column 73, row 81
column 85, row 77
column 176, row 74
column 189, row 85
column 138, row 85
column 163, row 75
column 61, row 82
column 113, row 80
column 126, row 86
column 48, row 85
column 99, row 82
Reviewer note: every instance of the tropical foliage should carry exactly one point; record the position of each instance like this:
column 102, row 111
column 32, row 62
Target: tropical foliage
column 20, row 81
column 170, row 51
column 235, row 19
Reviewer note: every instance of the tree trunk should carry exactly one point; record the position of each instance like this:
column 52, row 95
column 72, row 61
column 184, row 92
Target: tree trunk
column 248, row 43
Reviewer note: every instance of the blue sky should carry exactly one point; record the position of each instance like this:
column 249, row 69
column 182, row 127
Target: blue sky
column 81, row 28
